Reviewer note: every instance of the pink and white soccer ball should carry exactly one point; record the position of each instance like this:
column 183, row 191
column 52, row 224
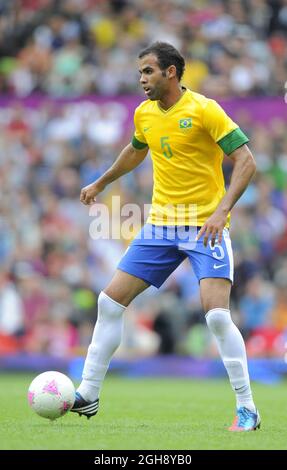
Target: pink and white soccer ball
column 51, row 394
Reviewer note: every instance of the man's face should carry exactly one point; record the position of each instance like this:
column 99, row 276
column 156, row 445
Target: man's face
column 153, row 80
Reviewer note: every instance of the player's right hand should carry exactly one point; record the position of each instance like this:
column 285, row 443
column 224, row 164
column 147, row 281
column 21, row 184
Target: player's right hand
column 89, row 193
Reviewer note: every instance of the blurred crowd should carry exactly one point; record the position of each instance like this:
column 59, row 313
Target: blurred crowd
column 51, row 268
column 75, row 47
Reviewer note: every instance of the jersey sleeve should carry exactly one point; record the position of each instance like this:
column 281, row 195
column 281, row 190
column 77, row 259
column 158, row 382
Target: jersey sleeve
column 222, row 129
column 138, row 140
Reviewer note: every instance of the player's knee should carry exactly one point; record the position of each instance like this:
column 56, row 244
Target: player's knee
column 218, row 320
column 120, row 296
column 108, row 307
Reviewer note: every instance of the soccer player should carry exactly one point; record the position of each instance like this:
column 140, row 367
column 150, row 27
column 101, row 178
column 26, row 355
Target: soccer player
column 187, row 135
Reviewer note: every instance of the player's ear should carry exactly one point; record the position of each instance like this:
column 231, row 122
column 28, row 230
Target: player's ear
column 171, row 71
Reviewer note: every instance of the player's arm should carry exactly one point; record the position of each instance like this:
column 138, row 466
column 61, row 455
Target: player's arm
column 128, row 159
column 243, row 170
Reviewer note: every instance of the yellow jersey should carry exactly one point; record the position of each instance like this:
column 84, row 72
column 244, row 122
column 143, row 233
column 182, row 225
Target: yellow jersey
column 187, row 143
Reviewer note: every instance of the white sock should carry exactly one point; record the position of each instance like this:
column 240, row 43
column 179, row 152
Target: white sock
column 106, row 339
column 232, row 351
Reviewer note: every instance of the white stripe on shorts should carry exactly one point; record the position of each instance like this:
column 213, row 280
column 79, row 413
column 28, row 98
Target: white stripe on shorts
column 229, row 252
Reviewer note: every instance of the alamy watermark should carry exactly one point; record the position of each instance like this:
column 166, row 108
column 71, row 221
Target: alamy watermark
column 122, row 222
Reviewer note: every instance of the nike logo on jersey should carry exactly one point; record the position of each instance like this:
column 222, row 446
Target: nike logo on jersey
column 217, row 266
column 146, row 128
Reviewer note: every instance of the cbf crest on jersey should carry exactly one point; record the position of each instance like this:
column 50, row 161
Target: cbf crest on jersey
column 185, row 123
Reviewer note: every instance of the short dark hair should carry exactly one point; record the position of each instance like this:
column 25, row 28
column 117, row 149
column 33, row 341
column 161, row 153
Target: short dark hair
column 166, row 55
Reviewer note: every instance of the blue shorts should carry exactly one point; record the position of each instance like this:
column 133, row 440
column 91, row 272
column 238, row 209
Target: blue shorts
column 157, row 251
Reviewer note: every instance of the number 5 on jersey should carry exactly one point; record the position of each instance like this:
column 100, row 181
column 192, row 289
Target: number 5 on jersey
column 166, row 149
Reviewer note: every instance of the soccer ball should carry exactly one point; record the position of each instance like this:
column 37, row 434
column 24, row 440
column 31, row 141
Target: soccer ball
column 51, row 394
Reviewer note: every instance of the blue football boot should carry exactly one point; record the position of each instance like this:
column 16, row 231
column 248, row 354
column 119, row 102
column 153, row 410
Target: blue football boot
column 245, row 420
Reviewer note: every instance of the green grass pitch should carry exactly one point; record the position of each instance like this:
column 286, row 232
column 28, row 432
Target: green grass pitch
column 144, row 414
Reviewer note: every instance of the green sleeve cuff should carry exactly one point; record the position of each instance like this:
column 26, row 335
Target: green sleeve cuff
column 137, row 144
column 232, row 141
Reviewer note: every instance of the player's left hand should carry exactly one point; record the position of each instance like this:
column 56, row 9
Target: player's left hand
column 213, row 228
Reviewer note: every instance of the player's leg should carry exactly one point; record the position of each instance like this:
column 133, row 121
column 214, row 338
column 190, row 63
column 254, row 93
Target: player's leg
column 147, row 261
column 106, row 338
column 213, row 266
column 215, row 293
column 125, row 287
